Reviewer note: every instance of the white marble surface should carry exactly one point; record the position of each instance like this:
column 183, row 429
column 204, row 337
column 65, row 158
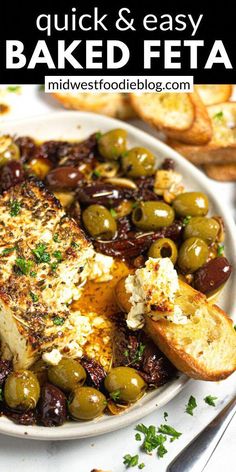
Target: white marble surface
column 106, row 452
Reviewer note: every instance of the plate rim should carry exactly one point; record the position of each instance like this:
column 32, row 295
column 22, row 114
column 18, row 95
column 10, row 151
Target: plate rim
column 171, row 389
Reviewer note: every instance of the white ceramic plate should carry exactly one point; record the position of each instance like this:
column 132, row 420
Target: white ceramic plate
column 77, row 125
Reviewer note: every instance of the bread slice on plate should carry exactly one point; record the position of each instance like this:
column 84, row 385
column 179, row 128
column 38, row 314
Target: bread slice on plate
column 222, row 146
column 201, row 130
column 213, row 94
column 221, row 172
column 165, row 111
column 112, row 104
column 205, row 347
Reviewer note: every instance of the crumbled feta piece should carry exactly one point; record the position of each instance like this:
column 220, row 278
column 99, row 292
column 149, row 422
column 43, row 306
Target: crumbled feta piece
column 153, row 289
column 100, row 268
column 53, row 357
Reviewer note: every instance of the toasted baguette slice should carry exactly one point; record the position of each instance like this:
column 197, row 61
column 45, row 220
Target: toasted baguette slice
column 205, row 347
column 222, row 147
column 213, row 94
column 165, row 111
column 201, row 130
column 111, row 104
column 221, row 172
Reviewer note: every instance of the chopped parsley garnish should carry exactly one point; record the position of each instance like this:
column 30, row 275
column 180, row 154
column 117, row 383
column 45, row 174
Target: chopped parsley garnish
column 170, row 431
column 234, row 327
column 152, row 440
column 34, row 297
column 210, row 400
column 54, row 266
column 14, row 88
column 113, row 212
column 96, row 173
column 56, row 238
column 130, row 461
column 40, row 253
column 141, row 466
column 161, row 450
column 98, row 135
column 1, row 396
column 58, row 321
column 126, row 353
column 138, row 353
column 7, row 251
column 58, row 255
column 192, row 404
column 115, row 395
column 165, row 415
column 15, row 207
column 33, row 273
column 220, row 249
column 42, row 88
column 219, row 115
column 23, row 265
column 186, row 220
column 74, row 244
column 138, row 437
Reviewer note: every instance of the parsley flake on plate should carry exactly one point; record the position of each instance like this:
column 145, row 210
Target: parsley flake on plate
column 130, row 461
column 210, row 400
column 152, row 440
column 170, row 431
column 192, row 404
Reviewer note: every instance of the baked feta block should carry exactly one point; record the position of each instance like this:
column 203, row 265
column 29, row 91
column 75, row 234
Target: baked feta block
column 153, row 290
column 44, row 263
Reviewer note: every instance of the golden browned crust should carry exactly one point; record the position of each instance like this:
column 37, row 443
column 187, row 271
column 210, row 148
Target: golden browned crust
column 205, row 349
column 206, row 154
column 116, row 105
column 213, row 94
column 222, row 172
column 201, row 130
column 165, row 111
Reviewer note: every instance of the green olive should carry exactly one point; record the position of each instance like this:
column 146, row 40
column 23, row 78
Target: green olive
column 9, row 151
column 67, row 375
column 99, row 222
column 164, row 247
column 40, row 369
column 124, row 384
column 191, row 204
column 86, row 403
column 22, row 390
column 112, row 144
column 152, row 215
column 138, row 162
column 204, row 228
column 193, row 253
